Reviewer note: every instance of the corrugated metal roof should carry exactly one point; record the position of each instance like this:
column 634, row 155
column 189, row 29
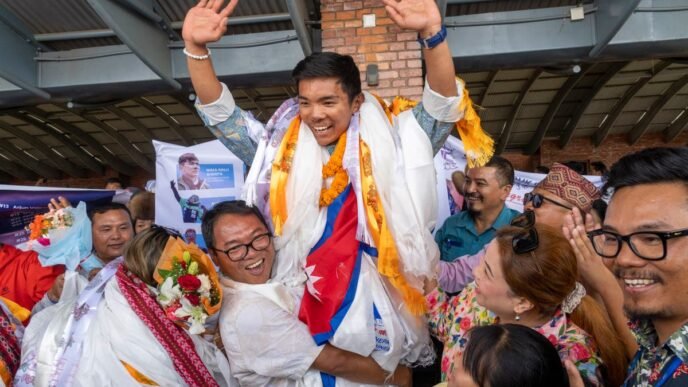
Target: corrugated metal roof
column 47, row 16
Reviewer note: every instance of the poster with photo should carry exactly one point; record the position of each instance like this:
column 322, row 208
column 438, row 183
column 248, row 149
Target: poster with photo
column 452, row 157
column 190, row 181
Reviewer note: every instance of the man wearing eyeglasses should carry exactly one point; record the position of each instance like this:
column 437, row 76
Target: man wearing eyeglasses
column 266, row 343
column 551, row 201
column 645, row 233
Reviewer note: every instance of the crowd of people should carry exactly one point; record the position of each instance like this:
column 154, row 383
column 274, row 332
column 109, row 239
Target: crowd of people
column 333, row 276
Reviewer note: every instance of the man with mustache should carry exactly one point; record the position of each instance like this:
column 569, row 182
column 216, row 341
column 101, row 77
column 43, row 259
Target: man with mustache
column 644, row 233
column 485, row 189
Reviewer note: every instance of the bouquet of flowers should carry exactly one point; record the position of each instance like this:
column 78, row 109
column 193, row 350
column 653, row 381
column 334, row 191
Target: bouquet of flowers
column 188, row 287
column 43, row 224
column 61, row 237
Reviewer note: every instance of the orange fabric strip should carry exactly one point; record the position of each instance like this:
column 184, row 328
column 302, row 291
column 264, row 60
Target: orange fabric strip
column 388, row 258
column 280, row 173
column 138, row 376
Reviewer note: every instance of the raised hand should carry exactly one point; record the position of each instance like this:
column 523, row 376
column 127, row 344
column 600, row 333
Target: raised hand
column 59, row 203
column 418, row 15
column 206, row 22
column 593, row 272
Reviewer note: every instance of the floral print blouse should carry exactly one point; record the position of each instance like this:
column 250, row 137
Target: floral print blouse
column 665, row 365
column 450, row 318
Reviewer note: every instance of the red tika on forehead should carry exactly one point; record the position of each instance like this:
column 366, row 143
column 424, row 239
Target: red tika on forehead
column 570, row 186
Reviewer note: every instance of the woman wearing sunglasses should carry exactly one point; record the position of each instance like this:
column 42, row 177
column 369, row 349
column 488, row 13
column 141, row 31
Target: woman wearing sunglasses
column 528, row 277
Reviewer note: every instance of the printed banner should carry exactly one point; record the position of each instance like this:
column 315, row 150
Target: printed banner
column 19, row 204
column 452, row 157
column 190, row 181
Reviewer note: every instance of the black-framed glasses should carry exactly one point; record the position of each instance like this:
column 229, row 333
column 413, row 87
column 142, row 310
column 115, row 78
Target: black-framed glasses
column 169, row 231
column 648, row 245
column 538, row 199
column 529, row 240
column 238, row 252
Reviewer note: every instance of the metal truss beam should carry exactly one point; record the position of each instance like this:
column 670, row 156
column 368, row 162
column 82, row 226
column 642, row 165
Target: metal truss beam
column 552, row 110
column 86, row 160
column 602, row 133
column 299, row 13
column 676, row 128
column 131, row 120
column 139, row 158
column 80, row 135
column 16, row 64
column 506, row 134
column 587, row 100
column 643, row 125
column 16, row 170
column 547, row 36
column 610, row 17
column 107, row 157
column 52, row 157
column 162, row 114
column 145, row 38
column 45, row 170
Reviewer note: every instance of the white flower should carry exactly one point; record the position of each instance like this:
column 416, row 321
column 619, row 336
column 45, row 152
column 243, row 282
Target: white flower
column 205, row 285
column 196, row 315
column 169, row 292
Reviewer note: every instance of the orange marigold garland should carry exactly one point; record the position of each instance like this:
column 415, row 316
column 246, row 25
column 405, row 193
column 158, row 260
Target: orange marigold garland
column 334, row 168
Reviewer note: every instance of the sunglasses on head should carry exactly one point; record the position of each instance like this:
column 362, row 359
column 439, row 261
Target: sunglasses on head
column 538, row 199
column 527, row 241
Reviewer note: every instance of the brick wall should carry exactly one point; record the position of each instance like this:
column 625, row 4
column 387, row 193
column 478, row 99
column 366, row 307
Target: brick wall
column 396, row 52
column 615, row 147
column 581, row 149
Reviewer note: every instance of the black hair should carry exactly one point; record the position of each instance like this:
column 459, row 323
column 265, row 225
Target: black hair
column 231, row 207
column 600, row 207
column 599, row 167
column 509, row 355
column 579, row 167
column 649, row 166
column 504, row 170
column 542, row 169
column 114, row 180
column 109, row 207
column 330, row 65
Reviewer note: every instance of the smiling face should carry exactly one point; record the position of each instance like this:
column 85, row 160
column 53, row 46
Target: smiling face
column 652, row 289
column 111, row 231
column 325, row 108
column 492, row 291
column 231, row 230
column 483, row 191
column 549, row 213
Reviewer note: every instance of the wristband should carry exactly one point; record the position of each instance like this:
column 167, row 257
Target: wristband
column 434, row 40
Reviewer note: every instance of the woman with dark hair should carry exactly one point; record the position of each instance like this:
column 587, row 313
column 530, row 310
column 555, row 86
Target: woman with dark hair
column 528, row 277
column 508, row 355
column 121, row 331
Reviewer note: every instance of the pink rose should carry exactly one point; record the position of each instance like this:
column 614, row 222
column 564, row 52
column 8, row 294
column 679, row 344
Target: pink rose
column 465, row 324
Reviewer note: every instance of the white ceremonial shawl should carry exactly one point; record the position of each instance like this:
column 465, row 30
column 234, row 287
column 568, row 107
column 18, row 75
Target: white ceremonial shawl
column 116, row 334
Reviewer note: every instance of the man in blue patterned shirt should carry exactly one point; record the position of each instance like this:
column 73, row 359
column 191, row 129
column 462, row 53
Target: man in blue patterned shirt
column 645, row 233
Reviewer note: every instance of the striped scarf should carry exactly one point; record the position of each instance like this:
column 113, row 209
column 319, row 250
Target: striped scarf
column 173, row 338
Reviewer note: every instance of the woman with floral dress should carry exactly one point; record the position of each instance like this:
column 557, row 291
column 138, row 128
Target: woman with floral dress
column 528, row 277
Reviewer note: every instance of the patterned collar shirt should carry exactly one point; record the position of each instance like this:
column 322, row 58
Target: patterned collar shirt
column 665, row 365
